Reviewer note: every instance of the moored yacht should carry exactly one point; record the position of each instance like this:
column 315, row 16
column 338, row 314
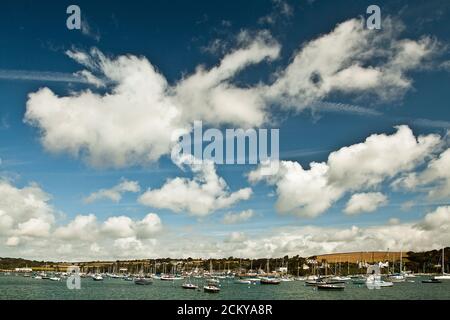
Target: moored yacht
column 374, row 281
column 444, row 276
column 211, row 288
column 267, row 280
column 189, row 286
column 330, row 287
column 142, row 281
column 97, row 277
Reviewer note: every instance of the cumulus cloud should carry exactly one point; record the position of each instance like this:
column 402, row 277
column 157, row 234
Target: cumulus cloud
column 430, row 232
column 205, row 193
column 361, row 61
column 365, row 202
column 87, row 228
column 132, row 124
column 114, row 193
column 28, row 226
column 232, row 218
column 118, row 227
column 82, row 227
column 438, row 219
column 209, row 95
column 313, row 240
column 359, row 167
column 436, row 176
column 133, row 121
column 25, row 211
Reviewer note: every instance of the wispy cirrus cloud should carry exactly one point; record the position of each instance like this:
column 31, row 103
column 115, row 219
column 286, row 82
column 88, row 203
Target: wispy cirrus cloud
column 88, row 30
column 28, row 75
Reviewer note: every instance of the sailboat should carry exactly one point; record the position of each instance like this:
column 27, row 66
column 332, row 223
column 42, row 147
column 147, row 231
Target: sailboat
column 373, row 280
column 188, row 284
column 398, row 277
column 212, row 280
column 211, row 288
column 212, row 285
column 268, row 280
column 142, row 280
column 444, row 276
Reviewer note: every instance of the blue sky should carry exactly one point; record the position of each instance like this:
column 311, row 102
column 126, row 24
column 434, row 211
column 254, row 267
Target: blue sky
column 176, row 37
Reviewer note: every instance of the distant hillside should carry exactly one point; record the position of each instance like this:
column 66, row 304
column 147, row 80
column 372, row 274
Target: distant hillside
column 355, row 257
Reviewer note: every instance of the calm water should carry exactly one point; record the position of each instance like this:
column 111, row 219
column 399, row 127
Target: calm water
column 17, row 287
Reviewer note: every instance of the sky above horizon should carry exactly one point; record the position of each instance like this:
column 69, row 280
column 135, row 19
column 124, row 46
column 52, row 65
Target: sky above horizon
column 87, row 116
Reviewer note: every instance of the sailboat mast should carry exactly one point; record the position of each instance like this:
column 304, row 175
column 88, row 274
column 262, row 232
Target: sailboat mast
column 401, row 260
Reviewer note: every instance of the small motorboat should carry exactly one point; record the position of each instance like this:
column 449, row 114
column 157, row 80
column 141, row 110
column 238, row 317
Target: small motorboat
column 128, row 278
column 270, row 281
column 189, row 286
column 286, row 279
column 330, row 287
column 97, row 277
column 142, row 281
column 211, row 289
column 432, row 280
column 313, row 283
column 170, row 278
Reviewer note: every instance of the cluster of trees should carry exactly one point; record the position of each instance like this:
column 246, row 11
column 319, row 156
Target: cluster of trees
column 11, row 263
column 428, row 261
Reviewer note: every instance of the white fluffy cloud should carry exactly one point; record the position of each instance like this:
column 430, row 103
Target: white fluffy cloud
column 82, row 227
column 312, row 240
column 133, row 122
column 28, row 227
column 200, row 196
column 436, row 176
column 114, row 193
column 68, row 242
column 347, row 60
column 210, row 96
column 438, row 219
column 118, row 227
column 87, row 228
column 365, row 202
column 24, row 211
column 232, row 218
column 350, row 169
